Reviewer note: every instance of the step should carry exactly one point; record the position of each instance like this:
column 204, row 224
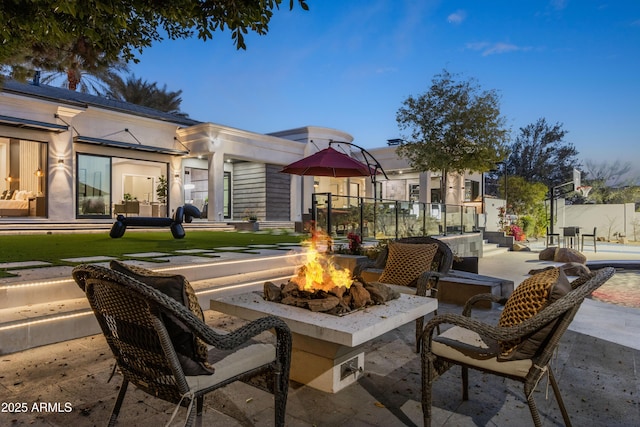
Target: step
column 492, row 249
column 43, row 312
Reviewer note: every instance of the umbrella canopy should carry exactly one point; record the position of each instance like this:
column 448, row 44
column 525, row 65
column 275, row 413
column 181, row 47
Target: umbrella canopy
column 329, row 162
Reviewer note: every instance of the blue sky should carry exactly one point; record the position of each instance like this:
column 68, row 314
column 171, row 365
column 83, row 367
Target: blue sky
column 349, row 64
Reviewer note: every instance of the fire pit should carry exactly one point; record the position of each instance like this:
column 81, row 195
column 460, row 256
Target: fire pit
column 321, row 286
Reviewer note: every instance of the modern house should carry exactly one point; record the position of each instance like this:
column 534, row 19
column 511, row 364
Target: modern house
column 73, row 157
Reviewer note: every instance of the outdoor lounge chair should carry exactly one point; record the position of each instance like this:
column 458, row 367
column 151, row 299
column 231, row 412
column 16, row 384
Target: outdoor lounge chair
column 518, row 350
column 150, row 332
column 427, row 280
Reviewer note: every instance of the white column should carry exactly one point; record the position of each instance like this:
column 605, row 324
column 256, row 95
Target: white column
column 297, row 198
column 424, row 187
column 216, row 190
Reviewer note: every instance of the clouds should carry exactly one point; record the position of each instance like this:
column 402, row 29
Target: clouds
column 457, row 17
column 496, row 48
column 558, row 4
column 487, row 48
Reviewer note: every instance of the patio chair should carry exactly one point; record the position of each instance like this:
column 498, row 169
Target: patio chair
column 520, row 350
column 157, row 343
column 571, row 236
column 590, row 236
column 427, row 276
column 552, row 238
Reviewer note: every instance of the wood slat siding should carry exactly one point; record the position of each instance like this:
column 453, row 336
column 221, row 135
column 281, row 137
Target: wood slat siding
column 278, row 194
column 249, row 195
column 261, row 189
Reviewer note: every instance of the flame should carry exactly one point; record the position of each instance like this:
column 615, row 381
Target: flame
column 319, row 272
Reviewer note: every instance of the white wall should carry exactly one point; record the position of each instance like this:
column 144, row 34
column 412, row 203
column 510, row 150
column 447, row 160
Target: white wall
column 609, row 219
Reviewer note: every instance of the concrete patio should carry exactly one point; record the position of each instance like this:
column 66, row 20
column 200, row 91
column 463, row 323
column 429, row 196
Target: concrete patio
column 596, row 367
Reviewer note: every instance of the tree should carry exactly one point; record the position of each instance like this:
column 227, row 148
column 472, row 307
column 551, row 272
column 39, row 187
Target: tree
column 526, row 199
column 114, row 30
column 454, row 127
column 539, row 154
column 74, row 73
column 141, row 92
column 611, row 182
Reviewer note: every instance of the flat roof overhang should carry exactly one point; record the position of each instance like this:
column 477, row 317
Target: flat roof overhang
column 129, row 146
column 32, row 124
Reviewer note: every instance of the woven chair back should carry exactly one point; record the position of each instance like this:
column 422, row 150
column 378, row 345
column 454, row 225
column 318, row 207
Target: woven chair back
column 443, row 258
column 568, row 306
column 132, row 325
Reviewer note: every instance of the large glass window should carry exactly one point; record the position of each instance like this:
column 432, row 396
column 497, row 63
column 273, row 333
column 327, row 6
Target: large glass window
column 23, row 184
column 93, row 186
column 471, row 190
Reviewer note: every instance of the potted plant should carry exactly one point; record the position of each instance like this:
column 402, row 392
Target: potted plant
column 161, row 190
column 250, row 215
column 160, row 209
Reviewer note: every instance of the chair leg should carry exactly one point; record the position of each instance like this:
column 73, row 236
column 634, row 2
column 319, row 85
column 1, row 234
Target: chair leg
column 556, row 391
column 465, row 383
column 427, row 383
column 119, row 400
column 199, row 410
column 528, row 392
column 280, row 393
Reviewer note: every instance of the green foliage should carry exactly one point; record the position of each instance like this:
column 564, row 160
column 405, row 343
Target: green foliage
column 162, row 189
column 141, row 92
column 540, row 154
column 104, row 30
column 527, row 200
column 611, row 182
column 523, row 196
column 454, row 127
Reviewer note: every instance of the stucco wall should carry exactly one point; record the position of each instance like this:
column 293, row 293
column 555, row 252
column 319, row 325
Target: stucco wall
column 609, row 219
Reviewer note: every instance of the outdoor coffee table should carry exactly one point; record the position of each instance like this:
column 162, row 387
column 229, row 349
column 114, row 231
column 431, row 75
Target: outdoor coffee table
column 328, row 350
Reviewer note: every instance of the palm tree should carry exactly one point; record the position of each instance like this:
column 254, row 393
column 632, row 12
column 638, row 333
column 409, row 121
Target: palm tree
column 74, row 73
column 74, row 67
column 141, row 92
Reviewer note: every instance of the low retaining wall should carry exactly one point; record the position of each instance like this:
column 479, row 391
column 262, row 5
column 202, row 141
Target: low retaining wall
column 464, row 245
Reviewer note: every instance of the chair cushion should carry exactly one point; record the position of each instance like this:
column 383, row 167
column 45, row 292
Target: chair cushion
column 407, row 261
column 191, row 350
column 234, row 364
column 528, row 299
column 467, row 347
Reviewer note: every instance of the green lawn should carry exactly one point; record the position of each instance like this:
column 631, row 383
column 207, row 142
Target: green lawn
column 54, row 247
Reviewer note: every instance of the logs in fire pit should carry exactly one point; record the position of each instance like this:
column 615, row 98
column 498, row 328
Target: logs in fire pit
column 338, row 300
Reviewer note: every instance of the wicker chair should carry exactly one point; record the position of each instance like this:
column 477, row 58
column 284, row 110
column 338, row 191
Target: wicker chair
column 461, row 345
column 426, row 283
column 133, row 317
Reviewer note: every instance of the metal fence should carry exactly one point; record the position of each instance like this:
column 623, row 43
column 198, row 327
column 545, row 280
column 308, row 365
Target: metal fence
column 385, row 219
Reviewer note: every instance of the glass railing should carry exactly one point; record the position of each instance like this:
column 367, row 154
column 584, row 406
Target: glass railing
column 386, row 219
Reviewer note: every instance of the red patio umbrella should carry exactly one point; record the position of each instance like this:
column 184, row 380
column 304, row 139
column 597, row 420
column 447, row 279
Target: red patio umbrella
column 329, row 162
